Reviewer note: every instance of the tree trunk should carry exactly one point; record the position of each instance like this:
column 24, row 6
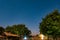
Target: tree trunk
column 54, row 38
column 48, row 37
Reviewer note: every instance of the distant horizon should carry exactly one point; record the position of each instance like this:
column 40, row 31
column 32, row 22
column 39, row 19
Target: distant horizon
column 28, row 12
column 17, row 24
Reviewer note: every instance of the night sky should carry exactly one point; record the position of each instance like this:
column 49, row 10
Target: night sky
column 28, row 12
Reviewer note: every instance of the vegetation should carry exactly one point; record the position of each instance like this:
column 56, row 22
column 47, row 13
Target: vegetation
column 1, row 30
column 18, row 29
column 50, row 25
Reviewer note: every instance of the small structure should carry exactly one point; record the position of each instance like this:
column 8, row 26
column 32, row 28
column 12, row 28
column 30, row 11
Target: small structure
column 9, row 36
column 1, row 37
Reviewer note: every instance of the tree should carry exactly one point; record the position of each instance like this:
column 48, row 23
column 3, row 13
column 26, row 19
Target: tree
column 18, row 29
column 50, row 25
column 9, row 29
column 1, row 30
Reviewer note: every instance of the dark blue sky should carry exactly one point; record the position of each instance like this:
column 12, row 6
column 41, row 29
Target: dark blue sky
column 28, row 12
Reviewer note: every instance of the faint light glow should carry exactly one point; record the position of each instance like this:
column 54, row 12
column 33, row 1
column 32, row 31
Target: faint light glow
column 41, row 36
column 25, row 37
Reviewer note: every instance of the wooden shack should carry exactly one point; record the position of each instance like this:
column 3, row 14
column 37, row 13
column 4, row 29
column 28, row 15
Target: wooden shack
column 9, row 36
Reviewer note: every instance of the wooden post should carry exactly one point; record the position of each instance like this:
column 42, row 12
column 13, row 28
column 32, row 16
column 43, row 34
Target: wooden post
column 6, row 38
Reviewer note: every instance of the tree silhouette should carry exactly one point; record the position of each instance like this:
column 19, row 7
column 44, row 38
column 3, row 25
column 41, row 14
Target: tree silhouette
column 19, row 29
column 50, row 25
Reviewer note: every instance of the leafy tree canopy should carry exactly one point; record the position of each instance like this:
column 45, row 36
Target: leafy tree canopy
column 50, row 25
column 18, row 29
column 1, row 30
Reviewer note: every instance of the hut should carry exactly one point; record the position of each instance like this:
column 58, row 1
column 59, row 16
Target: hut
column 9, row 36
